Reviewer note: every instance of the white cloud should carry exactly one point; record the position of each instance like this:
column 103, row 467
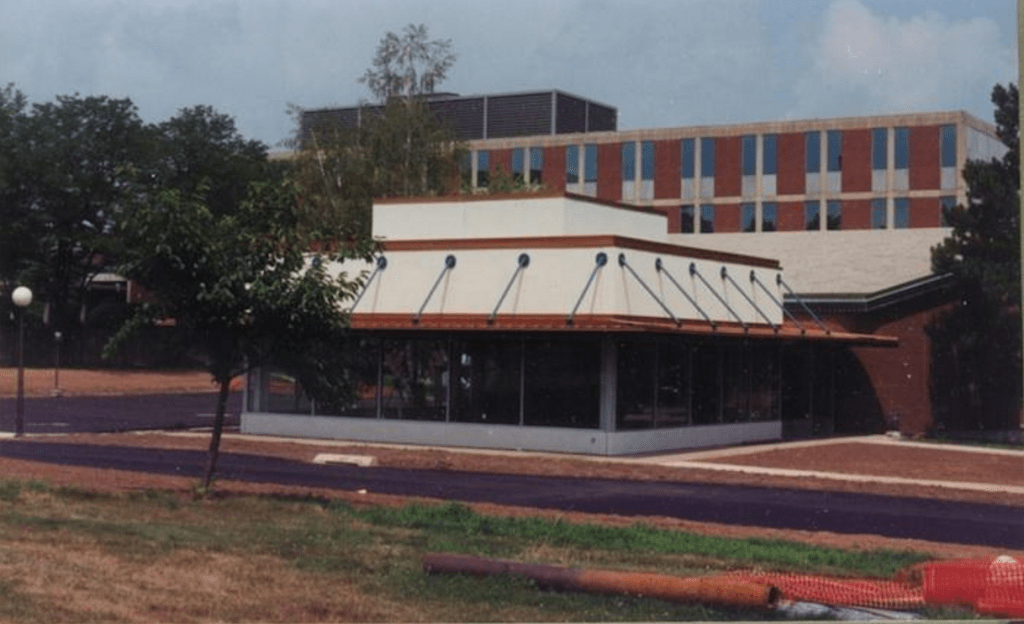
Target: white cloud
column 864, row 62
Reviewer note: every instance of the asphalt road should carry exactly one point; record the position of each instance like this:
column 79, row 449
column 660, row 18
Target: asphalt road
column 941, row 521
column 118, row 413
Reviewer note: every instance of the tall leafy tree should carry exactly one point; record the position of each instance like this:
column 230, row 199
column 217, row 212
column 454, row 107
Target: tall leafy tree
column 241, row 288
column 78, row 158
column 200, row 151
column 408, row 65
column 399, row 148
column 976, row 378
column 16, row 232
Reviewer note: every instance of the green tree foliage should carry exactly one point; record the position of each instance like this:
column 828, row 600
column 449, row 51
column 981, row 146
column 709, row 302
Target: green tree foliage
column 14, row 209
column 240, row 287
column 976, row 369
column 408, row 65
column 399, row 148
column 200, row 151
column 75, row 161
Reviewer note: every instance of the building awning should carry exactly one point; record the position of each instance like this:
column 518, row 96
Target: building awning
column 544, row 323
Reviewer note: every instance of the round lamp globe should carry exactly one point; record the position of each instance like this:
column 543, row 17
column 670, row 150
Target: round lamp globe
column 21, row 296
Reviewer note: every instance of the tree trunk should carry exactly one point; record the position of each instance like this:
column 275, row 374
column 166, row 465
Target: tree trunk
column 218, row 429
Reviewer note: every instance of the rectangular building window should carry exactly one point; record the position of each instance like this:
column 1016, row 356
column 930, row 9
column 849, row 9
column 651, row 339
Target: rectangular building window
column 707, row 158
column 901, row 213
column 536, row 165
column 572, row 164
column 687, row 149
column 769, row 218
column 518, row 164
column 647, row 160
column 483, row 168
column 749, row 154
column 686, row 219
column 901, row 145
column 946, row 205
column 879, row 214
column 628, row 161
column 590, row 163
column 748, row 217
column 835, row 215
column 835, row 150
column 707, row 218
column 769, row 154
column 948, row 146
column 812, row 215
column 880, row 149
column 813, row 152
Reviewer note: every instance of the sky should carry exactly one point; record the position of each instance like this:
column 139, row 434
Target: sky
column 661, row 63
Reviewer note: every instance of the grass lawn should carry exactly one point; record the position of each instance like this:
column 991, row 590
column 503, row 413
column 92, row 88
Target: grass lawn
column 73, row 555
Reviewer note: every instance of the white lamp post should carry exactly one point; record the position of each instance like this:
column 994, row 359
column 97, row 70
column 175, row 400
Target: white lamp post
column 21, row 297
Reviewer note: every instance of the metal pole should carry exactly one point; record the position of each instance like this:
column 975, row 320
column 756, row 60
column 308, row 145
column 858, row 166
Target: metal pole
column 1020, row 173
column 57, row 336
column 19, row 414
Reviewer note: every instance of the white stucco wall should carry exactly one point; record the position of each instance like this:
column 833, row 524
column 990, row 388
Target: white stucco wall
column 512, row 218
column 555, row 279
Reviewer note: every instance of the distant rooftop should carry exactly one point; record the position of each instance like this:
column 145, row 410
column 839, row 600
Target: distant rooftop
column 492, row 116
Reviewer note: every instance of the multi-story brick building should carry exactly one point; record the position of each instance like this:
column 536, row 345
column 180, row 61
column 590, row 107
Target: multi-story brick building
column 851, row 207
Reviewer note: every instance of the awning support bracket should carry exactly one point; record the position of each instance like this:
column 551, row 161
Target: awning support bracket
column 382, row 263
column 750, row 300
column 521, row 263
column 780, row 282
column 755, row 280
column 659, row 266
column 449, row 264
column 694, row 272
column 625, row 265
column 600, row 260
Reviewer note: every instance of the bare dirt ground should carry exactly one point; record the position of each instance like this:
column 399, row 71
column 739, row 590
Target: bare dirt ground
column 841, row 456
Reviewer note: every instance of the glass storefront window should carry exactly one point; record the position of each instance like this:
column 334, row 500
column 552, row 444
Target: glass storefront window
column 562, row 383
column 673, row 392
column 707, row 384
column 634, row 394
column 415, row 379
column 486, row 381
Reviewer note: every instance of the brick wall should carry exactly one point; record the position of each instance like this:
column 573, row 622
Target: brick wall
column 791, row 176
column 667, row 171
column 856, row 160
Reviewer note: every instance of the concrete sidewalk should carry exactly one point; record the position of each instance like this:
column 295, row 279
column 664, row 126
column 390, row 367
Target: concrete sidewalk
column 699, row 460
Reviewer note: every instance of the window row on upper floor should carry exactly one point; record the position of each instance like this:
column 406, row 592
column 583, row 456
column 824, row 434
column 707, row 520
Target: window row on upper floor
column 825, row 162
column 812, row 215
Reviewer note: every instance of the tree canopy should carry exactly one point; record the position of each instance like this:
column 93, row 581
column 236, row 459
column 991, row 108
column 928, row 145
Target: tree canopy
column 408, row 65
column 397, row 149
column 976, row 345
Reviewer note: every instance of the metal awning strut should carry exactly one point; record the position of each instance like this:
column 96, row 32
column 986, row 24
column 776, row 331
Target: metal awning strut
column 659, row 266
column 754, row 280
column 600, row 260
column 779, row 281
column 726, row 276
column 625, row 265
column 521, row 263
column 449, row 264
column 382, row 263
column 695, row 272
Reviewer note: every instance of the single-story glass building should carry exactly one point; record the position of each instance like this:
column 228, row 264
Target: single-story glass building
column 556, row 322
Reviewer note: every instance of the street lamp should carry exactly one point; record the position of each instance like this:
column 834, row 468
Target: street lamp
column 21, row 297
column 57, row 336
